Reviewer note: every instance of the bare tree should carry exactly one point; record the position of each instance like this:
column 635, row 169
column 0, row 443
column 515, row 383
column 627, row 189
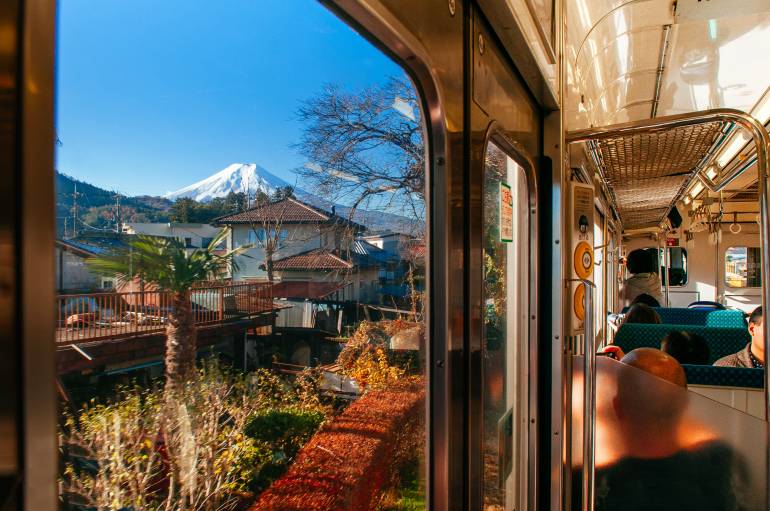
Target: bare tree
column 268, row 230
column 366, row 146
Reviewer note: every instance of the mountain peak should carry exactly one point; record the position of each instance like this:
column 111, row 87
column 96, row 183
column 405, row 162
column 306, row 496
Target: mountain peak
column 236, row 177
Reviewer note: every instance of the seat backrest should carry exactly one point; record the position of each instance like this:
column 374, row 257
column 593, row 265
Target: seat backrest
column 722, row 341
column 702, row 317
column 743, row 377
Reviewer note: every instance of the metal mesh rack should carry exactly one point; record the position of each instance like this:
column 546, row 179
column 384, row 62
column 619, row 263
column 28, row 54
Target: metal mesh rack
column 646, row 172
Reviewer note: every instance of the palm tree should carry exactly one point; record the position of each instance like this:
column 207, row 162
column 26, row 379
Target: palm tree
column 167, row 265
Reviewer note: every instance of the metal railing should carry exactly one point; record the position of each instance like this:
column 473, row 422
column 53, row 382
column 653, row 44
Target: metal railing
column 99, row 316
column 589, row 397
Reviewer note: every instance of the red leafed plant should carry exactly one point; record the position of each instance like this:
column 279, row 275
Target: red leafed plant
column 354, row 458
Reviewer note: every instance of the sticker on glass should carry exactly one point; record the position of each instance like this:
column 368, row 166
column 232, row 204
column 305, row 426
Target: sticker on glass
column 506, row 213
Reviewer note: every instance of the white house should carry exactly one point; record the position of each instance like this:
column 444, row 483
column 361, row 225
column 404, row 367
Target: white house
column 301, row 228
column 194, row 235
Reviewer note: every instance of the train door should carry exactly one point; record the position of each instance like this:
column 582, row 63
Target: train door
column 506, row 328
column 504, row 142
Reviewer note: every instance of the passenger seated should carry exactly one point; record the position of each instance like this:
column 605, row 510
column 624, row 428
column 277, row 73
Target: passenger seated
column 643, row 279
column 658, row 470
column 641, row 313
column 753, row 355
column 646, row 299
column 686, row 347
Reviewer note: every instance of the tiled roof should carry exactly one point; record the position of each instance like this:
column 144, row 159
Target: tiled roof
column 287, row 211
column 318, row 259
column 306, row 289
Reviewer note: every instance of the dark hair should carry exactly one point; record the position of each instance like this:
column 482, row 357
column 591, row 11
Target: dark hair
column 641, row 313
column 646, row 299
column 686, row 347
column 639, row 261
column 756, row 316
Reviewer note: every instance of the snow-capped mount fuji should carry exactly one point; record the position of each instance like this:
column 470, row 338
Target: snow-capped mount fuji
column 249, row 178
column 246, row 178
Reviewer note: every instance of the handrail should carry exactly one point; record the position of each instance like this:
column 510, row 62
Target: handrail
column 589, row 397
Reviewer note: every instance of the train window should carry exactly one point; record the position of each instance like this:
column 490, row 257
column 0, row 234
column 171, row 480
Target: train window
column 677, row 265
column 742, row 267
column 505, row 342
column 283, row 358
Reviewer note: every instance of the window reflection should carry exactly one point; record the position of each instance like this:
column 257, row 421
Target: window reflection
column 506, row 269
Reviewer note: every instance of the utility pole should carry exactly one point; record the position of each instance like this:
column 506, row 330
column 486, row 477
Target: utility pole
column 118, row 214
column 75, row 195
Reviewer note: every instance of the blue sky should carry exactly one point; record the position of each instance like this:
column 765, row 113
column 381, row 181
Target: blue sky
column 155, row 95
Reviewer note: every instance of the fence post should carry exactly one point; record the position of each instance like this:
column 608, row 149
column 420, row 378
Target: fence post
column 221, row 303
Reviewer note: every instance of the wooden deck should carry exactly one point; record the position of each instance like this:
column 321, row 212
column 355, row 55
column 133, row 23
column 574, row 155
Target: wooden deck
column 87, row 318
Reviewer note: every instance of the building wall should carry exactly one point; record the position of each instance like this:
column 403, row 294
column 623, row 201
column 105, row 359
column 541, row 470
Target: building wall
column 391, row 243
column 73, row 274
column 299, row 238
column 196, row 232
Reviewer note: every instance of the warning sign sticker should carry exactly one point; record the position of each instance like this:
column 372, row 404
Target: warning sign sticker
column 506, row 213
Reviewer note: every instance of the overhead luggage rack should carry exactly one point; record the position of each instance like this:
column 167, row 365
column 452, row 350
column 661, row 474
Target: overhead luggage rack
column 647, row 170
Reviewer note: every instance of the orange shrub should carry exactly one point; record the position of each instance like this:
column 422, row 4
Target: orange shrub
column 352, row 459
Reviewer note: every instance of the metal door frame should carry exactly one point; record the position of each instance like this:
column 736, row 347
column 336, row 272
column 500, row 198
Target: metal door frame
column 28, row 234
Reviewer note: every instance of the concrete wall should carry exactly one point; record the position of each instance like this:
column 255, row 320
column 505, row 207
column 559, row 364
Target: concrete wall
column 73, row 274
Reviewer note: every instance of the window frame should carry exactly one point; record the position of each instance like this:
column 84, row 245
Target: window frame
column 724, row 267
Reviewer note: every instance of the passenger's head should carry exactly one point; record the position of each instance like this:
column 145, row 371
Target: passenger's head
column 646, row 299
column 641, row 313
column 756, row 330
column 657, row 363
column 645, row 407
column 686, row 347
column 640, row 261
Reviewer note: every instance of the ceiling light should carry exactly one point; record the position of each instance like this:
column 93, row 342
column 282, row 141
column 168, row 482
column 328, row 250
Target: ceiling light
column 761, row 110
column 687, row 199
column 696, row 189
column 732, row 148
column 711, row 173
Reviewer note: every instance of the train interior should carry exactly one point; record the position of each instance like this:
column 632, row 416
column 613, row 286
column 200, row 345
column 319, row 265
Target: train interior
column 554, row 140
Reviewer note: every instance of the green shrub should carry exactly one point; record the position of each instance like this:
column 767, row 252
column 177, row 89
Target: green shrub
column 282, row 432
column 227, row 434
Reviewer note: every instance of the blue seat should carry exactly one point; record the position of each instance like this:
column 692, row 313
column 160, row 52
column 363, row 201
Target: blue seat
column 722, row 341
column 746, row 377
column 703, row 317
column 728, row 318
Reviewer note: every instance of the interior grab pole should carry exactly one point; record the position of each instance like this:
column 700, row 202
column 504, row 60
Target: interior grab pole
column 589, row 397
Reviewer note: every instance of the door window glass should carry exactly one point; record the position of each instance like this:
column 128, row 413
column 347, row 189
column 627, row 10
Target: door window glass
column 677, row 266
column 505, row 336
